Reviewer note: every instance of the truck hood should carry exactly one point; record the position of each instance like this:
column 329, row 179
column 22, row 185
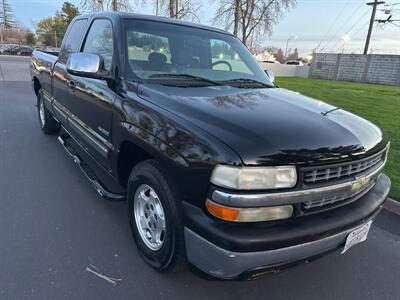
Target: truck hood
column 271, row 126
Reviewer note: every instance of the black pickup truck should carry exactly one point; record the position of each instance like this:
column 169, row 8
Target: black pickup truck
column 221, row 168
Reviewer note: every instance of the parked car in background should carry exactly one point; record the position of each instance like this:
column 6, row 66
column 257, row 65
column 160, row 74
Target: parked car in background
column 295, row 63
column 271, row 61
column 15, row 49
column 220, row 168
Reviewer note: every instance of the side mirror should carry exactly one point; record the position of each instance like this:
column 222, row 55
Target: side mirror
column 270, row 74
column 87, row 65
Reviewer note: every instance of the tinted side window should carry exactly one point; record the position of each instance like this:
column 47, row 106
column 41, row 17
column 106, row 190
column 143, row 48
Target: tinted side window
column 100, row 41
column 73, row 40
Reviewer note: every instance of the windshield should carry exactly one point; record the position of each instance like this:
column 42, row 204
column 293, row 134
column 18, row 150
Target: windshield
column 172, row 54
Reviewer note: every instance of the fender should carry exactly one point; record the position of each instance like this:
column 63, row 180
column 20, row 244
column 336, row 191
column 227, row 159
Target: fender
column 187, row 151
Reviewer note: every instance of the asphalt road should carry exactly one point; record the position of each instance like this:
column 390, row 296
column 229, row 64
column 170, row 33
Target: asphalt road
column 53, row 226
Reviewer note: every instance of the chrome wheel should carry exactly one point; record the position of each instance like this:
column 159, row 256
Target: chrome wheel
column 42, row 113
column 149, row 217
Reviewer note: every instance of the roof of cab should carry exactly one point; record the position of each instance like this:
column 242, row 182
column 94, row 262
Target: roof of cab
column 125, row 15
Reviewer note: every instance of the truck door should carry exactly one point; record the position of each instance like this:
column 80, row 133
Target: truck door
column 71, row 43
column 90, row 101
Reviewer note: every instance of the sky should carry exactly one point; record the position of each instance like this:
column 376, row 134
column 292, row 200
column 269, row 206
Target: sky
column 314, row 24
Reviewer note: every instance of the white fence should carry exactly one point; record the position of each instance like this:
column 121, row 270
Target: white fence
column 286, row 70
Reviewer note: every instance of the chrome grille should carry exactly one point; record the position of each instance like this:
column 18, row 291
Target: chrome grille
column 325, row 174
column 336, row 199
column 360, row 174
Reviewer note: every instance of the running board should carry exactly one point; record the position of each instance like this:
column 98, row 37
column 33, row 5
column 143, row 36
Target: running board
column 88, row 172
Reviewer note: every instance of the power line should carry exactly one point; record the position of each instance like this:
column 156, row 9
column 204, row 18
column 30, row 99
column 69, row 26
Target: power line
column 337, row 46
column 371, row 23
column 349, row 30
column 333, row 24
column 394, row 24
column 341, row 27
column 361, row 28
column 358, row 20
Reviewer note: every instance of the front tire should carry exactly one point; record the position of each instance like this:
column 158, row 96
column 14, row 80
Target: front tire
column 46, row 121
column 155, row 216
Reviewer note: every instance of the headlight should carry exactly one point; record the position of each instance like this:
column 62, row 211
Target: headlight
column 254, row 178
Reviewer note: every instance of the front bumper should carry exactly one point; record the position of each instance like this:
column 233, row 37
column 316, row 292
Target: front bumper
column 228, row 254
column 224, row 264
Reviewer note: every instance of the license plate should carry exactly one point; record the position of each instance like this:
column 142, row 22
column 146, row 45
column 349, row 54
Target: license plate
column 357, row 236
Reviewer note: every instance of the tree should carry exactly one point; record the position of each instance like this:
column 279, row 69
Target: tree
column 45, row 29
column 15, row 35
column 236, row 18
column 230, row 11
column 6, row 15
column 294, row 55
column 69, row 11
column 251, row 17
column 93, row 5
column 279, row 56
column 51, row 30
column 99, row 5
column 30, row 38
column 119, row 5
column 183, row 10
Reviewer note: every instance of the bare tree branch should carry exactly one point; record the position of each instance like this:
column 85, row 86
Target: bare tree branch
column 250, row 17
column 113, row 5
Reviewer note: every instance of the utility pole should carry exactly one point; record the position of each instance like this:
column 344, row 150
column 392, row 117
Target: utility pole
column 371, row 23
column 156, row 7
column 55, row 38
column 287, row 44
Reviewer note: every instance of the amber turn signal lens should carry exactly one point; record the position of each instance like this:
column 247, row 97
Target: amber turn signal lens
column 222, row 212
column 249, row 214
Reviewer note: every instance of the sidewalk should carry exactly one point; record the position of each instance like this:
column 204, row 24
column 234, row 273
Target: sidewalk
column 392, row 206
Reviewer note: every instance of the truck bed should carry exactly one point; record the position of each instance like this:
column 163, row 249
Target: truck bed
column 41, row 59
column 42, row 64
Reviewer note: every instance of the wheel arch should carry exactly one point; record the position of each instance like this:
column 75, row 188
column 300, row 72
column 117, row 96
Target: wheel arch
column 138, row 145
column 36, row 85
column 129, row 155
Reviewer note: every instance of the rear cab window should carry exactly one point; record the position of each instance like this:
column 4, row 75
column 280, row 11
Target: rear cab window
column 73, row 40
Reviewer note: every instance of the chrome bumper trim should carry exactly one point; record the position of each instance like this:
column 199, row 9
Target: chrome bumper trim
column 352, row 188
column 224, row 264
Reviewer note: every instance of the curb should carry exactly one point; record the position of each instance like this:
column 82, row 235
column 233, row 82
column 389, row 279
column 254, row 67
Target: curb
column 392, row 206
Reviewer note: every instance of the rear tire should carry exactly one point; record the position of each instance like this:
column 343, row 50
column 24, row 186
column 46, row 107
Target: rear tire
column 46, row 121
column 153, row 203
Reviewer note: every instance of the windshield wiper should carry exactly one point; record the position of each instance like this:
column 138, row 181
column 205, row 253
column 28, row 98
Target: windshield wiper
column 184, row 76
column 246, row 81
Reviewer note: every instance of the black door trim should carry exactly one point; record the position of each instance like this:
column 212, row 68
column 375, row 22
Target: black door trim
column 88, row 134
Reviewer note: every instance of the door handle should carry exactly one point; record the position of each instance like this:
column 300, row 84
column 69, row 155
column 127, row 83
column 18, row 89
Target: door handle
column 71, row 85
